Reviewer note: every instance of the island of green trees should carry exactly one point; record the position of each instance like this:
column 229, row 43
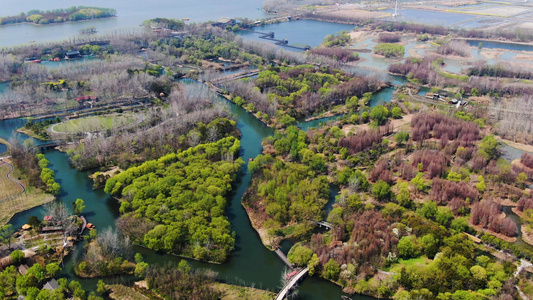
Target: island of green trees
column 74, row 13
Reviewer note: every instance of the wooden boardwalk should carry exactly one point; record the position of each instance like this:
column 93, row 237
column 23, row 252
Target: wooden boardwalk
column 270, row 36
column 284, row 258
column 84, row 225
column 291, row 284
column 53, row 144
column 215, row 88
column 235, row 76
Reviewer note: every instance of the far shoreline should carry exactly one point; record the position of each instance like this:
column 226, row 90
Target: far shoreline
column 54, row 23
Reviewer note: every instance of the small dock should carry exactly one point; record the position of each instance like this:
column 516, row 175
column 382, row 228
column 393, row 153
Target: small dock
column 284, row 258
column 51, row 229
column 84, row 225
column 215, row 88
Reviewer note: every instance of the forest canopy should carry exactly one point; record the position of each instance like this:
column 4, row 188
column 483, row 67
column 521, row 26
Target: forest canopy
column 176, row 203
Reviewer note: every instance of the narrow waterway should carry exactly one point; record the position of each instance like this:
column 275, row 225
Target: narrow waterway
column 509, row 154
column 250, row 264
column 499, row 45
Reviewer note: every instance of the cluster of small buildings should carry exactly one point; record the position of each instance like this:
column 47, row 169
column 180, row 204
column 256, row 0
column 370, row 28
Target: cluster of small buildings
column 50, row 285
column 439, row 97
column 83, row 99
column 225, row 22
column 72, row 54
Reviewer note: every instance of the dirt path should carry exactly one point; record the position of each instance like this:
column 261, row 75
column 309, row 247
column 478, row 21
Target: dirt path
column 396, row 124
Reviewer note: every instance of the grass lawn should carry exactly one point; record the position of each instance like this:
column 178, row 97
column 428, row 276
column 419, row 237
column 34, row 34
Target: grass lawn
column 31, row 133
column 124, row 292
column 96, row 123
column 419, row 261
column 31, row 198
column 230, row 292
column 233, row 292
column 8, row 188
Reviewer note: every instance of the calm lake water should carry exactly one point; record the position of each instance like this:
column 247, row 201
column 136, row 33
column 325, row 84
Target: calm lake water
column 129, row 14
column 300, row 32
column 499, row 45
column 429, row 17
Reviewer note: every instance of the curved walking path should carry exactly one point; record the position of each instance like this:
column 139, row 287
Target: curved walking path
column 9, row 178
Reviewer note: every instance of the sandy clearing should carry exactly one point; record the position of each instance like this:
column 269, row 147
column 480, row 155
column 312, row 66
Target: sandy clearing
column 524, row 57
column 492, row 54
column 396, row 124
column 414, row 53
column 350, row 13
column 526, row 25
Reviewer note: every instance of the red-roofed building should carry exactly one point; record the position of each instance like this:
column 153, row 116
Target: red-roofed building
column 83, row 98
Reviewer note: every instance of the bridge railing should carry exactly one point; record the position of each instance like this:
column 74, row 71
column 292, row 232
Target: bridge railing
column 291, row 284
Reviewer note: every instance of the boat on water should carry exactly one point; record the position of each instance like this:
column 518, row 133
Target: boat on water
column 291, row 274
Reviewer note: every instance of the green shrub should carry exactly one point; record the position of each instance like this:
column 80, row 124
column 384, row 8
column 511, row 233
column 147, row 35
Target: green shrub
column 389, row 50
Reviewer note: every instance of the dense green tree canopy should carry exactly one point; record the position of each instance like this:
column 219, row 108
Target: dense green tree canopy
column 180, row 199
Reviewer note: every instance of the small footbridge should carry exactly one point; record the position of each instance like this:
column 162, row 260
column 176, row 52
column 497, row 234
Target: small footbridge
column 53, row 144
column 283, row 42
column 234, row 76
column 292, row 283
column 284, row 258
column 301, row 273
column 323, row 224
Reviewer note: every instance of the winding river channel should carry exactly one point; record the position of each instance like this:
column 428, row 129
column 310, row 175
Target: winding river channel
column 251, row 264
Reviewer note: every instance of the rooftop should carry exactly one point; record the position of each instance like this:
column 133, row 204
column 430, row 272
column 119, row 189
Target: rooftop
column 51, row 285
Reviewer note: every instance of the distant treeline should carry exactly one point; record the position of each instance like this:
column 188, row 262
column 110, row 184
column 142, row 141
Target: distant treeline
column 516, row 35
column 512, row 35
column 172, row 24
column 500, row 69
column 74, row 13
